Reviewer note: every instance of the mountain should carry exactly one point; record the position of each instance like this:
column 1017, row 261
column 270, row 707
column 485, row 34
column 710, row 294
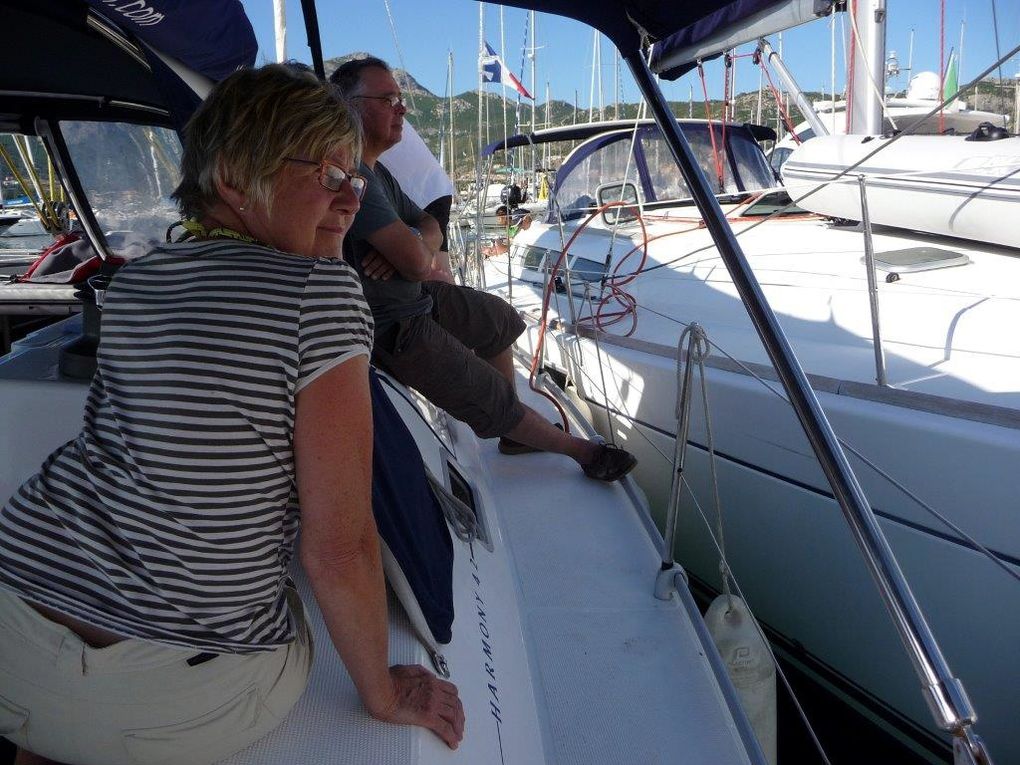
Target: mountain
column 408, row 84
column 430, row 114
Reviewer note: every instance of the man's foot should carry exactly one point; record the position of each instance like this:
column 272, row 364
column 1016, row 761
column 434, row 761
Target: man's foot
column 610, row 464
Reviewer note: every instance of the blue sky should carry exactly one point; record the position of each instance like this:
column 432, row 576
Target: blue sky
column 428, row 30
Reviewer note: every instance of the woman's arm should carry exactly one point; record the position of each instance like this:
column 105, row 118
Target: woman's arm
column 340, row 551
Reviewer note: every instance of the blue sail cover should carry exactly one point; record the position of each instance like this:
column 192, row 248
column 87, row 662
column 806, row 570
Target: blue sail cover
column 213, row 37
column 625, row 22
column 726, row 17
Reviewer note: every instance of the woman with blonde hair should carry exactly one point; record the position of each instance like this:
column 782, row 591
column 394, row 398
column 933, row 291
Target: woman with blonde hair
column 145, row 609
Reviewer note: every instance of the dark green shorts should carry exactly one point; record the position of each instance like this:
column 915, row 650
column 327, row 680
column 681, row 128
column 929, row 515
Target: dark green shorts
column 442, row 356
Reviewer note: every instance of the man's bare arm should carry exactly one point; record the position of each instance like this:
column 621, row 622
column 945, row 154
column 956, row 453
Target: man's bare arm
column 404, row 250
column 431, row 234
column 415, row 257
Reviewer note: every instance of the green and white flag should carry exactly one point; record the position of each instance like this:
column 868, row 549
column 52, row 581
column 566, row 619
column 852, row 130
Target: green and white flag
column 951, row 83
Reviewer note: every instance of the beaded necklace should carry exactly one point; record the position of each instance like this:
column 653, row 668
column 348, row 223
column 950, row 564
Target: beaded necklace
column 195, row 230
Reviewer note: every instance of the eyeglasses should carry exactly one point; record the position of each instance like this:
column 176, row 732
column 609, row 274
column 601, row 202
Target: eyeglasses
column 394, row 100
column 332, row 177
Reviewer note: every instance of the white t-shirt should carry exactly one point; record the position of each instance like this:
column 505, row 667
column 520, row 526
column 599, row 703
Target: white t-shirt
column 419, row 173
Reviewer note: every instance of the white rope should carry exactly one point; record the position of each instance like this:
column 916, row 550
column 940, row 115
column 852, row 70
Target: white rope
column 698, row 349
column 460, row 517
column 768, row 646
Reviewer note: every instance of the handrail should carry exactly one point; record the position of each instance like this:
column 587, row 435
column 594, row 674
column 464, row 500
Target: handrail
column 682, row 412
column 869, row 264
column 944, row 693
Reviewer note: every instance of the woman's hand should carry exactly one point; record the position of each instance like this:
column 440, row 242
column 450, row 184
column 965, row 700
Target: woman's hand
column 421, row 698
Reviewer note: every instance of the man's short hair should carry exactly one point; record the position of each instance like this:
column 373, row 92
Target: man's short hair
column 347, row 76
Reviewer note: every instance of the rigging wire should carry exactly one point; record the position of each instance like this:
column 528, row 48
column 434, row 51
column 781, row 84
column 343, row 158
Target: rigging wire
column 780, row 108
column 731, row 577
column 995, row 27
column 400, row 55
column 711, row 130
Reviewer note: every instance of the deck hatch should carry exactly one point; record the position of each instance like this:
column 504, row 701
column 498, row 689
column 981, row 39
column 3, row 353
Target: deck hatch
column 914, row 259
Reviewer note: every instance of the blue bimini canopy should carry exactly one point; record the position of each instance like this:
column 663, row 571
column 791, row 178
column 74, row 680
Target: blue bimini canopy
column 629, row 22
column 682, row 31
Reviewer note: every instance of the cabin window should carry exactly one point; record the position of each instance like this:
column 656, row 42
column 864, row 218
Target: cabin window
column 128, row 173
column 741, row 162
column 751, row 165
column 613, row 163
column 587, row 270
column 534, row 257
column 663, row 174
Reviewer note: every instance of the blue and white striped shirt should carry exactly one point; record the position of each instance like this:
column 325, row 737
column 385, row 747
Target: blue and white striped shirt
column 172, row 516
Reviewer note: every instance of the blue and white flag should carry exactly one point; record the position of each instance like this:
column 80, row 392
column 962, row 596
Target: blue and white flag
column 494, row 70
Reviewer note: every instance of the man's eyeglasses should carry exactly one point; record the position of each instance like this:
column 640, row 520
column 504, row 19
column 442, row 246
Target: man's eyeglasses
column 332, row 177
column 393, row 101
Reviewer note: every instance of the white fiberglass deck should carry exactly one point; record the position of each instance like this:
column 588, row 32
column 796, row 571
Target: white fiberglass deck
column 560, row 651
column 592, row 669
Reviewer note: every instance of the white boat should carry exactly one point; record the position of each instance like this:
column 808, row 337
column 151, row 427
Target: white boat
column 971, row 191
column 570, row 644
column 496, row 196
column 923, row 391
column 561, row 649
column 916, row 111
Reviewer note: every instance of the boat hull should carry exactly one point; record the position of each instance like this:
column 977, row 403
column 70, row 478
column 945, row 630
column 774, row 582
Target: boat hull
column 967, row 189
column 789, row 546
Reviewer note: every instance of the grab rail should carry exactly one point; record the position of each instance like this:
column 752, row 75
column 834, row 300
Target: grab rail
column 944, row 693
column 869, row 263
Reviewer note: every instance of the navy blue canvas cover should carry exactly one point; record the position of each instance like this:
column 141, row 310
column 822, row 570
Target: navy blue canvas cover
column 213, row 37
column 625, row 22
column 409, row 517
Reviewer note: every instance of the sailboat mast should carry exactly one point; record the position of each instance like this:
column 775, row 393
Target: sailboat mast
column 502, row 85
column 449, row 90
column 959, row 53
column 548, row 104
column 479, row 191
column 832, row 70
column 616, row 84
column 534, row 88
column 910, row 57
column 280, row 29
column 1016, row 101
column 867, row 100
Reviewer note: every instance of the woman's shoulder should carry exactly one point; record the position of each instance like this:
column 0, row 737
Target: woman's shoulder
column 229, row 253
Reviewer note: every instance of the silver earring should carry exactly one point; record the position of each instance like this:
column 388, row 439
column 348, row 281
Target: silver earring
column 241, row 208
